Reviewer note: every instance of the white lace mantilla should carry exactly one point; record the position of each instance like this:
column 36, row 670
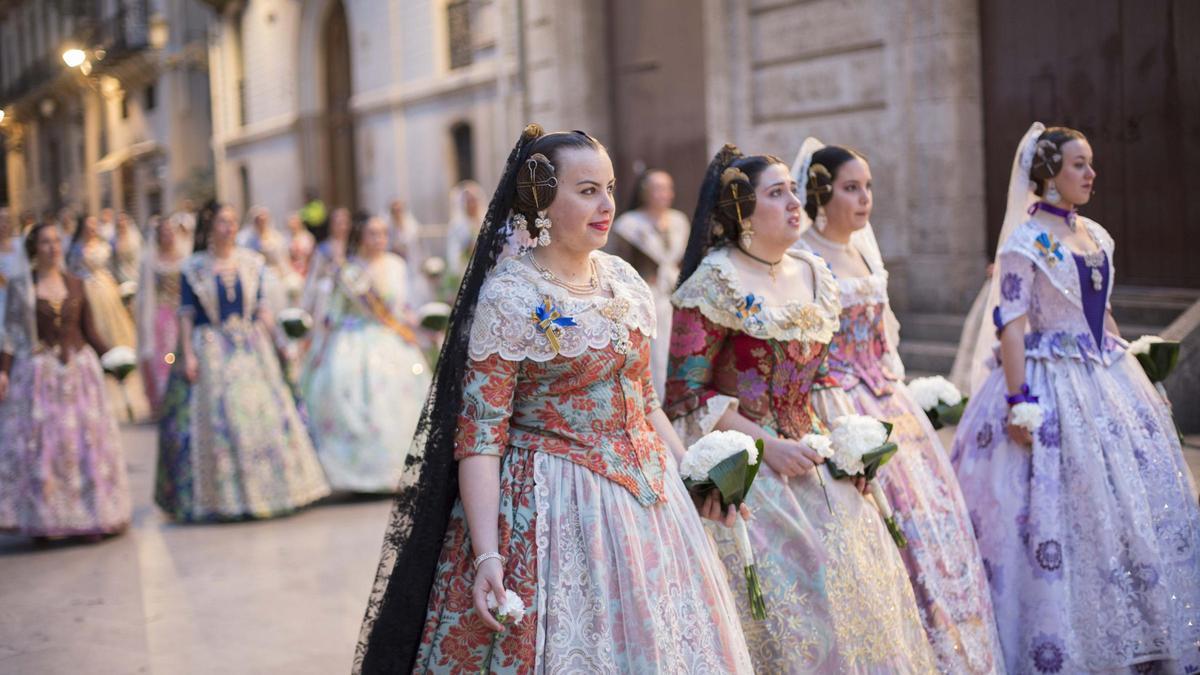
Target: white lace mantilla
column 716, row 290
column 506, row 322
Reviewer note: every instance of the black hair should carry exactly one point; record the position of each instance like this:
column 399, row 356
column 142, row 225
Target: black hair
column 358, row 225
column 395, row 617
column 638, row 199
column 822, row 172
column 204, row 222
column 31, row 239
column 713, row 226
column 1048, row 156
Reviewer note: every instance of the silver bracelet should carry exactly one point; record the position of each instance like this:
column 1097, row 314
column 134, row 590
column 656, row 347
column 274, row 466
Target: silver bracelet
column 479, row 560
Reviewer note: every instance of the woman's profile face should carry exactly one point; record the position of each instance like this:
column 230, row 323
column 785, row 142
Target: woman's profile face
column 776, row 218
column 852, row 201
column 1077, row 177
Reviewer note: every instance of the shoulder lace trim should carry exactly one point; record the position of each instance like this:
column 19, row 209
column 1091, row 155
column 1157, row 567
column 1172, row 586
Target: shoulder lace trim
column 507, row 322
column 716, row 291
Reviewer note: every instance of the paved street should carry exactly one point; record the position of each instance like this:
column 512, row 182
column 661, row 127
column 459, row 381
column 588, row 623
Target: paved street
column 282, row 596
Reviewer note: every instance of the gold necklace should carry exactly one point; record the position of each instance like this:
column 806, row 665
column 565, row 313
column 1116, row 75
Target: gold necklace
column 591, row 286
column 770, row 265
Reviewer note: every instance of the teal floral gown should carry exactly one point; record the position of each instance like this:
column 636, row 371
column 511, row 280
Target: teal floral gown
column 599, row 537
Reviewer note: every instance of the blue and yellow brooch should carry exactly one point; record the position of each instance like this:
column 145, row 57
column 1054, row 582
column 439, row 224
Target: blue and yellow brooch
column 1049, row 248
column 550, row 322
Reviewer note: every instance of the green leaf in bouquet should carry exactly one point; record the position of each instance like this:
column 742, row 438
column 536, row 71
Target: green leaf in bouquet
column 1165, row 356
column 752, row 469
column 873, row 461
column 435, row 322
column 949, row 414
column 729, row 477
column 935, row 417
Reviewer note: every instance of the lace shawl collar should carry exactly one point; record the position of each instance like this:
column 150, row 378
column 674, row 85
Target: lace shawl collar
column 1032, row 241
column 716, row 290
column 522, row 316
column 198, row 270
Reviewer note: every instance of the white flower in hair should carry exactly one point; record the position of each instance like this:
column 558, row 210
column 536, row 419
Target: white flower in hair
column 1142, row 344
column 712, row 449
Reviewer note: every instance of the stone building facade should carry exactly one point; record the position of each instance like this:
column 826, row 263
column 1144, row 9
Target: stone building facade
column 128, row 127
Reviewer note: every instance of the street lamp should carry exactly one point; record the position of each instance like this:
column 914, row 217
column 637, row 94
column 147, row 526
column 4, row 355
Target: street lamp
column 74, row 57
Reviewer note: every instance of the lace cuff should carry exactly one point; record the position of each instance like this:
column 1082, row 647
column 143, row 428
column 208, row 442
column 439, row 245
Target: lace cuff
column 703, row 420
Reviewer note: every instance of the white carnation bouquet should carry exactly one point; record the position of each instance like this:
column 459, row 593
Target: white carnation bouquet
column 728, row 461
column 509, row 610
column 434, row 316
column 295, row 322
column 120, row 362
column 942, row 402
column 859, row 446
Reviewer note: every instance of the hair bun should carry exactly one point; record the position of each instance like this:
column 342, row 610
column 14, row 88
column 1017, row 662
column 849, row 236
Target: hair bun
column 819, row 188
column 536, row 184
column 533, row 131
column 737, row 199
column 728, row 154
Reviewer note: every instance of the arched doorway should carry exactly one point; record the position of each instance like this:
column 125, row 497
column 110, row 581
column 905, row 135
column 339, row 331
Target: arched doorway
column 340, row 178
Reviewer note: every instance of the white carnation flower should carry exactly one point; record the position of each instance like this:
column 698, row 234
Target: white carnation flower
column 929, row 391
column 512, row 609
column 822, row 445
column 1027, row 415
column 712, row 449
column 1142, row 344
column 854, row 436
column 117, row 358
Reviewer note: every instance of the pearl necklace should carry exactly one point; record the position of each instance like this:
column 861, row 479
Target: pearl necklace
column 587, row 288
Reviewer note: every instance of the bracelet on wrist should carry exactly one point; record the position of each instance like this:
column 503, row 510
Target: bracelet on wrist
column 1023, row 396
column 480, row 559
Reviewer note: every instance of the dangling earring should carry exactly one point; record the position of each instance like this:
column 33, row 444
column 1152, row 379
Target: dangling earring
column 543, row 224
column 1052, row 194
column 520, row 224
column 820, row 220
column 747, row 235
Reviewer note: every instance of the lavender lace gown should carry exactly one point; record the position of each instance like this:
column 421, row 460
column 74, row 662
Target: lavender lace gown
column 1091, row 539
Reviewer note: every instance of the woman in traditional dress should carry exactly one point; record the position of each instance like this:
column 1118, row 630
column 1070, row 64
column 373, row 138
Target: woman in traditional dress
column 90, row 258
column 231, row 444
column 364, row 392
column 941, row 555
column 651, row 236
column 1088, row 524
column 467, row 204
column 127, row 250
column 323, row 268
column 752, row 327
column 61, row 464
column 157, row 306
column 566, row 492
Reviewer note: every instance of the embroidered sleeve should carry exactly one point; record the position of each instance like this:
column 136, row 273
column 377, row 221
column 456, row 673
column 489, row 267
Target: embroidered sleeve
column 693, row 403
column 487, row 407
column 1016, row 276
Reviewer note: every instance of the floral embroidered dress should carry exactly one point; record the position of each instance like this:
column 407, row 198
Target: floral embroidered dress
column 600, row 539
column 942, row 557
column 1091, row 539
column 62, row 470
column 365, row 391
column 838, row 598
column 231, row 444
column 157, row 307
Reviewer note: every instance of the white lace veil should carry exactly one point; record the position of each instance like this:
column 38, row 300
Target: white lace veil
column 1020, row 198
column 863, row 241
